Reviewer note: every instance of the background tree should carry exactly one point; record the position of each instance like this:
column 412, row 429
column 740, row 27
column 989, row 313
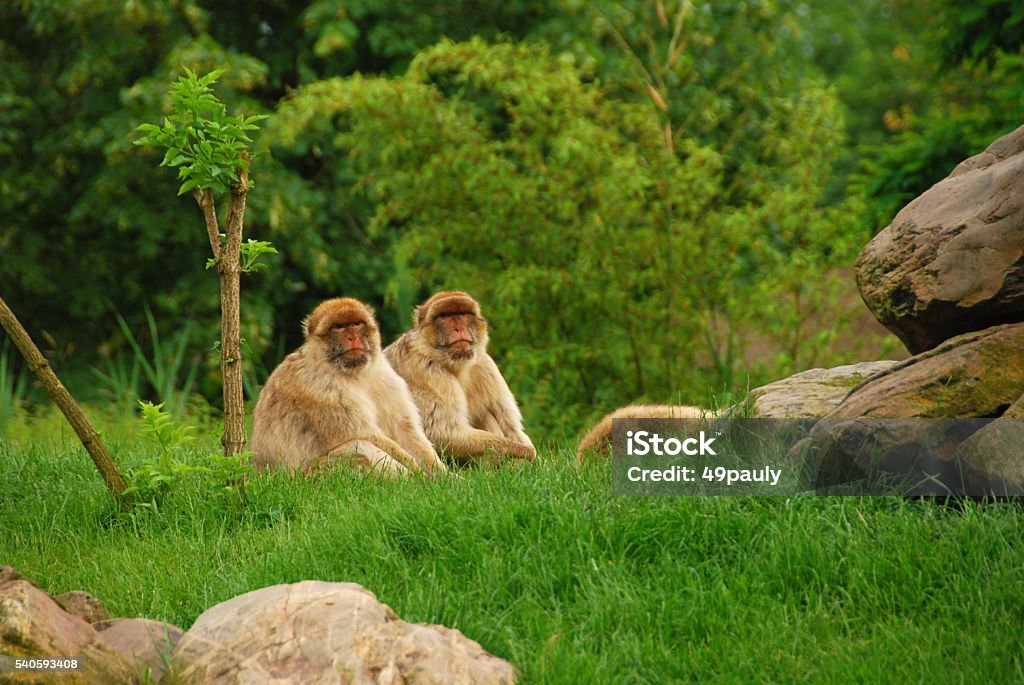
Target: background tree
column 795, row 129
column 210, row 150
column 608, row 254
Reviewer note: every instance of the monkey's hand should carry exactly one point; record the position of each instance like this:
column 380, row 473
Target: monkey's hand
column 520, row 451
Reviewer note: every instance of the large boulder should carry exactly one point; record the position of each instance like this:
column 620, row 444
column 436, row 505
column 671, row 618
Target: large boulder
column 144, row 643
column 926, row 425
column 993, row 458
column 808, row 394
column 979, row 374
column 315, row 633
column 952, row 261
column 32, row 624
column 1016, row 410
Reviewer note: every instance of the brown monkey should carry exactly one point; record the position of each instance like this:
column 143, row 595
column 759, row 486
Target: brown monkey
column 598, row 438
column 336, row 397
column 467, row 409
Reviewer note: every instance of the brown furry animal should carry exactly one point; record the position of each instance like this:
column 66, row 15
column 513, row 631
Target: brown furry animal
column 337, row 398
column 598, row 438
column 467, row 409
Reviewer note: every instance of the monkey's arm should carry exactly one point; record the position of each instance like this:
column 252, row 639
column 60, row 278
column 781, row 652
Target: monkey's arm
column 494, row 404
column 475, row 445
column 399, row 418
column 446, row 423
column 387, row 446
column 411, row 436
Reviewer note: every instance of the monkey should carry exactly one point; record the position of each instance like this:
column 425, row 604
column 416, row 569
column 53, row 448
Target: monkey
column 467, row 409
column 336, row 398
column 598, row 439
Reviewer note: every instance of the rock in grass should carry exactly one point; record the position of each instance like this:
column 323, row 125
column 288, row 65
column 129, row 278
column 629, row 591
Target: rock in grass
column 978, row 374
column 82, row 604
column 144, row 643
column 808, row 394
column 995, row 459
column 975, row 375
column 315, row 633
column 952, row 261
column 32, row 624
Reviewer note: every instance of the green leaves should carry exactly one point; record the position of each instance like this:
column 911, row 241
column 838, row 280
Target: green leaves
column 158, row 426
column 200, row 138
column 155, row 478
column 251, row 251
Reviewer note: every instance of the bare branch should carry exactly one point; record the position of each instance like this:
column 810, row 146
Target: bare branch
column 65, row 402
column 205, row 200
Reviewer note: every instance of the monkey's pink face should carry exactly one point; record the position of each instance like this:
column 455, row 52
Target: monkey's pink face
column 350, row 342
column 457, row 334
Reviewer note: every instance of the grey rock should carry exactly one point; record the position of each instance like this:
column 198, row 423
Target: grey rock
column 952, row 261
column 320, row 633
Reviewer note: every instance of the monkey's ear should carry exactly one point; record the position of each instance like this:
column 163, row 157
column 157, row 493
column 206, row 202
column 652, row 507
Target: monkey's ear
column 305, row 326
column 418, row 314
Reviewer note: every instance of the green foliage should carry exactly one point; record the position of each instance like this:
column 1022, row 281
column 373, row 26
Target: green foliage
column 934, row 85
column 609, row 263
column 148, row 484
column 160, row 428
column 120, row 378
column 152, row 482
column 13, row 385
column 208, row 147
column 979, row 30
column 168, row 368
column 251, row 251
column 671, row 165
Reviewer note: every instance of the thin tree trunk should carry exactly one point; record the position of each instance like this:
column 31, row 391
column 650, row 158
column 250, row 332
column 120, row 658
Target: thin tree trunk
column 64, row 401
column 229, row 269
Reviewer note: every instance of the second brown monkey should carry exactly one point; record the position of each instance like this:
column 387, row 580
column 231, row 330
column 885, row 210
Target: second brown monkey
column 467, row 409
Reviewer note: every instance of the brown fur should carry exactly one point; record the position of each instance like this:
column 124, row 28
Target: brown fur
column 336, row 398
column 598, row 438
column 467, row 409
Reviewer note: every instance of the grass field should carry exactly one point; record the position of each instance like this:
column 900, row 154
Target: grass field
column 546, row 568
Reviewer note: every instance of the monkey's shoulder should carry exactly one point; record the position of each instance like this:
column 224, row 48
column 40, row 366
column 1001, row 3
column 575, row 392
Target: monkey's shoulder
column 299, row 382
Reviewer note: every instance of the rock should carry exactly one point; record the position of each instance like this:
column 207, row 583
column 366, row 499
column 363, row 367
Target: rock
column 145, row 644
column 993, row 458
column 978, row 374
column 968, row 381
column 1016, row 410
column 809, row 394
column 32, row 624
column 9, row 573
column 83, row 605
column 317, row 632
column 910, row 457
column 951, row 261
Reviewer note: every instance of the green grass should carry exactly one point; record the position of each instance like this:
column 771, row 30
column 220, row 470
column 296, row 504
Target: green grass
column 546, row 568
